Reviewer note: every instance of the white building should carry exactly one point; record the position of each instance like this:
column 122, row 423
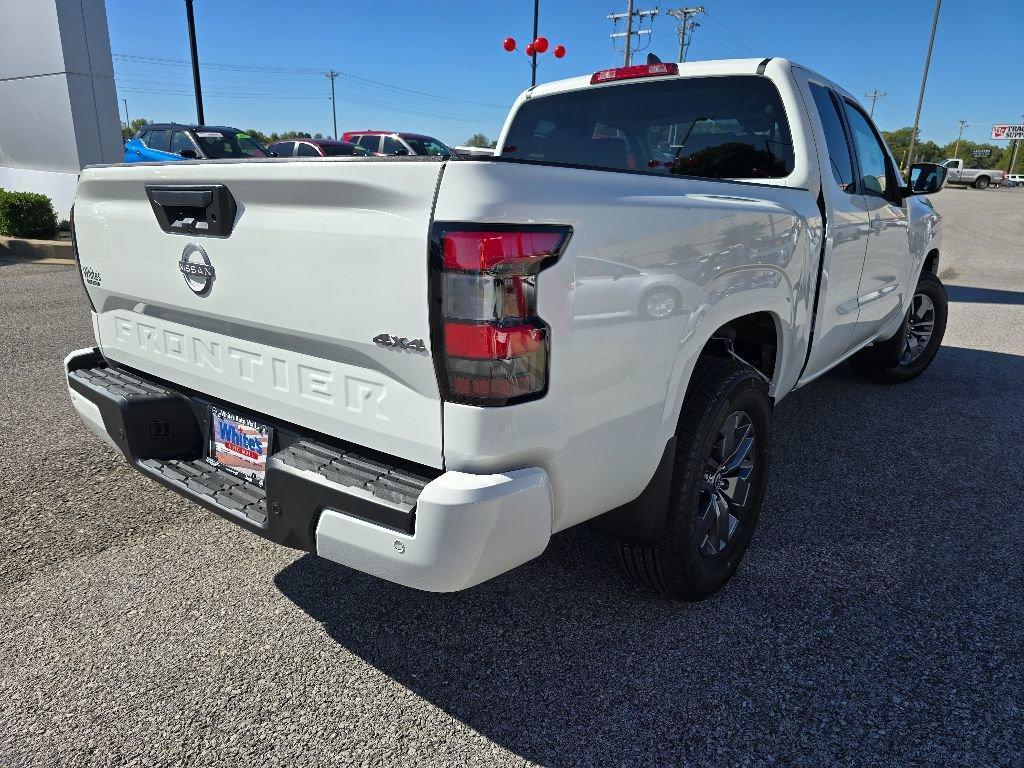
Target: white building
column 58, row 106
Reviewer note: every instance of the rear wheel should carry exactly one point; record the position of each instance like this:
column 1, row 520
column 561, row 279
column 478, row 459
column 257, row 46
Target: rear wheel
column 659, row 303
column 718, row 484
column 982, row 182
column 906, row 355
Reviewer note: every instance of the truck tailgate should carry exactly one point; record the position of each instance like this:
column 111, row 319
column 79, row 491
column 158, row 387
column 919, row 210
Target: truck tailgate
column 279, row 315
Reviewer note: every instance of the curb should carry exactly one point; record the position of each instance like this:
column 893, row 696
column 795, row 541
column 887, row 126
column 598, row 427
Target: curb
column 46, row 251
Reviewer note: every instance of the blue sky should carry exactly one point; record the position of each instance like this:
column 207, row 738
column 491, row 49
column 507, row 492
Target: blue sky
column 444, row 72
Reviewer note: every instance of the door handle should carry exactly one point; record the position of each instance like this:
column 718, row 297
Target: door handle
column 876, row 224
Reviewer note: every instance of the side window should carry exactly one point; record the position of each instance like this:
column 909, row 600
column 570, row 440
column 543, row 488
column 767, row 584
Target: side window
column 873, row 167
column 285, row 148
column 835, row 138
column 180, row 141
column 392, row 145
column 307, row 150
column 159, row 140
column 371, row 143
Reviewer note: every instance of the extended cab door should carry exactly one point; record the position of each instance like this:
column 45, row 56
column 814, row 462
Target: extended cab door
column 846, row 232
column 885, row 280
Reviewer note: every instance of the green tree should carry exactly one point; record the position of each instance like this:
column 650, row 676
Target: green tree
column 480, row 140
column 127, row 131
column 258, row 136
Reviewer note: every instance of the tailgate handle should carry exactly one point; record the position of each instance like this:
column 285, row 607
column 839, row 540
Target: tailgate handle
column 203, row 210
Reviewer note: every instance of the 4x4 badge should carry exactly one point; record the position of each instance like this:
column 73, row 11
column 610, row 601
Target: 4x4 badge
column 196, row 267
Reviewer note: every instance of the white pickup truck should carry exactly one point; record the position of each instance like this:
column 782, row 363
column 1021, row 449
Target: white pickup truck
column 979, row 178
column 424, row 368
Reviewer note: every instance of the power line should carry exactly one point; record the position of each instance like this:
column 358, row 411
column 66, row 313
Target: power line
column 254, row 68
column 387, row 106
column 629, row 16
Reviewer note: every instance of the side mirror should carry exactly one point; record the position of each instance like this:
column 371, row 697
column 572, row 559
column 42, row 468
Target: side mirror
column 273, row 154
column 400, row 152
column 926, row 178
column 189, row 153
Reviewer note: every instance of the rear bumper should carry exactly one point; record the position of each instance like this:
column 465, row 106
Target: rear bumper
column 404, row 523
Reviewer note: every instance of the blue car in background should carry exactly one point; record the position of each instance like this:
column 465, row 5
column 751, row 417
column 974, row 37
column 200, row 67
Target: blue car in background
column 163, row 142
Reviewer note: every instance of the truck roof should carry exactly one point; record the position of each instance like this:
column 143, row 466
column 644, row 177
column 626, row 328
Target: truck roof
column 686, row 69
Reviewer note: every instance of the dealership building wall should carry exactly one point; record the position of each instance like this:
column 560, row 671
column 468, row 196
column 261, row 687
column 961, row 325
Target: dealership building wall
column 58, row 105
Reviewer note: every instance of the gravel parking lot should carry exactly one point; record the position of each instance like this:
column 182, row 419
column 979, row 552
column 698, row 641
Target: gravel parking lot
column 875, row 621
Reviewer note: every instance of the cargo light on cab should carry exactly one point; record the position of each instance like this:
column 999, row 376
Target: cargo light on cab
column 631, row 73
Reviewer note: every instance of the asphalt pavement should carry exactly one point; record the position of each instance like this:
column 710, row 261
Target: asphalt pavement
column 875, row 621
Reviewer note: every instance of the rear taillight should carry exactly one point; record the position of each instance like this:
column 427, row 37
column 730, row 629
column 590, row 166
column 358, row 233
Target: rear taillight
column 491, row 348
column 633, row 72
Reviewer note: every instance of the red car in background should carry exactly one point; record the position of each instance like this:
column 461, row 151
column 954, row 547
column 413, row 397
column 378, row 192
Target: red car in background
column 393, row 143
column 315, row 148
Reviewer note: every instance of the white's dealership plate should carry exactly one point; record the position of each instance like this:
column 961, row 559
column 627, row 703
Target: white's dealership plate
column 240, row 445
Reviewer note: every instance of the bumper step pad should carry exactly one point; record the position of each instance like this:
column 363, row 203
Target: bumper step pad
column 220, row 486
column 349, row 469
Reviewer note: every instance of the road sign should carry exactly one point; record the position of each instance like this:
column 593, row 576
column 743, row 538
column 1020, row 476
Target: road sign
column 1004, row 132
column 981, row 153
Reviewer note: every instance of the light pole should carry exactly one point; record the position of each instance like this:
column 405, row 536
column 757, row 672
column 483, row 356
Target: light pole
column 924, row 81
column 127, row 122
column 195, row 61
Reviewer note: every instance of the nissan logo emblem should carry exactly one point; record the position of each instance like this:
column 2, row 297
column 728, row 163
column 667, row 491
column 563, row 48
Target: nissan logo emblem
column 196, row 267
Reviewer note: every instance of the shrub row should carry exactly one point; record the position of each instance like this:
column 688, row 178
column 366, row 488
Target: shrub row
column 27, row 214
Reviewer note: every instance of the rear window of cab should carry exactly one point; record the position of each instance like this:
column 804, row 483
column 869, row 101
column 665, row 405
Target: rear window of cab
column 731, row 127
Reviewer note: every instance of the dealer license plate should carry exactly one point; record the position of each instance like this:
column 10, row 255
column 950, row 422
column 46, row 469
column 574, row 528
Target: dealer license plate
column 240, row 445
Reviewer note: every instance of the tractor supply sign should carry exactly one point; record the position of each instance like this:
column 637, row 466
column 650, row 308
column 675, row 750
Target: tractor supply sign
column 1005, row 132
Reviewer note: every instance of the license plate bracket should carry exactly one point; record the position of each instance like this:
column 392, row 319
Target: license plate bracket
column 240, row 445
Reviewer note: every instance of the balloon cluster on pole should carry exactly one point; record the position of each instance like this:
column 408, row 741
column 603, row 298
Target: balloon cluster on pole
column 538, row 46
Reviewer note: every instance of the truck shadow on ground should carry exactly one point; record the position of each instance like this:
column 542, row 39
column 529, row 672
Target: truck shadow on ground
column 854, row 625
column 967, row 294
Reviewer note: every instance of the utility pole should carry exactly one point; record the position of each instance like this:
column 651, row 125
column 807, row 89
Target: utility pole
column 127, row 122
column 956, row 149
column 875, row 95
column 195, row 61
column 685, row 26
column 334, row 112
column 629, row 15
column 924, row 81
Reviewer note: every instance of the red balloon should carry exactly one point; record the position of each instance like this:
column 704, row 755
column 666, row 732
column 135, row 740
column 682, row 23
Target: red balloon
column 531, row 49
column 509, row 44
column 559, row 51
column 540, row 44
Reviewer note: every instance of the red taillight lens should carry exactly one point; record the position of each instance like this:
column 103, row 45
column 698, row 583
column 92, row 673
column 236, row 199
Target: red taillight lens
column 505, row 251
column 495, row 347
column 631, row 73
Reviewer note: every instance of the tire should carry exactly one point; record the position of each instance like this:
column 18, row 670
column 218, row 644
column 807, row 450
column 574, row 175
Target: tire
column 698, row 553
column 659, row 303
column 982, row 182
column 904, row 356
